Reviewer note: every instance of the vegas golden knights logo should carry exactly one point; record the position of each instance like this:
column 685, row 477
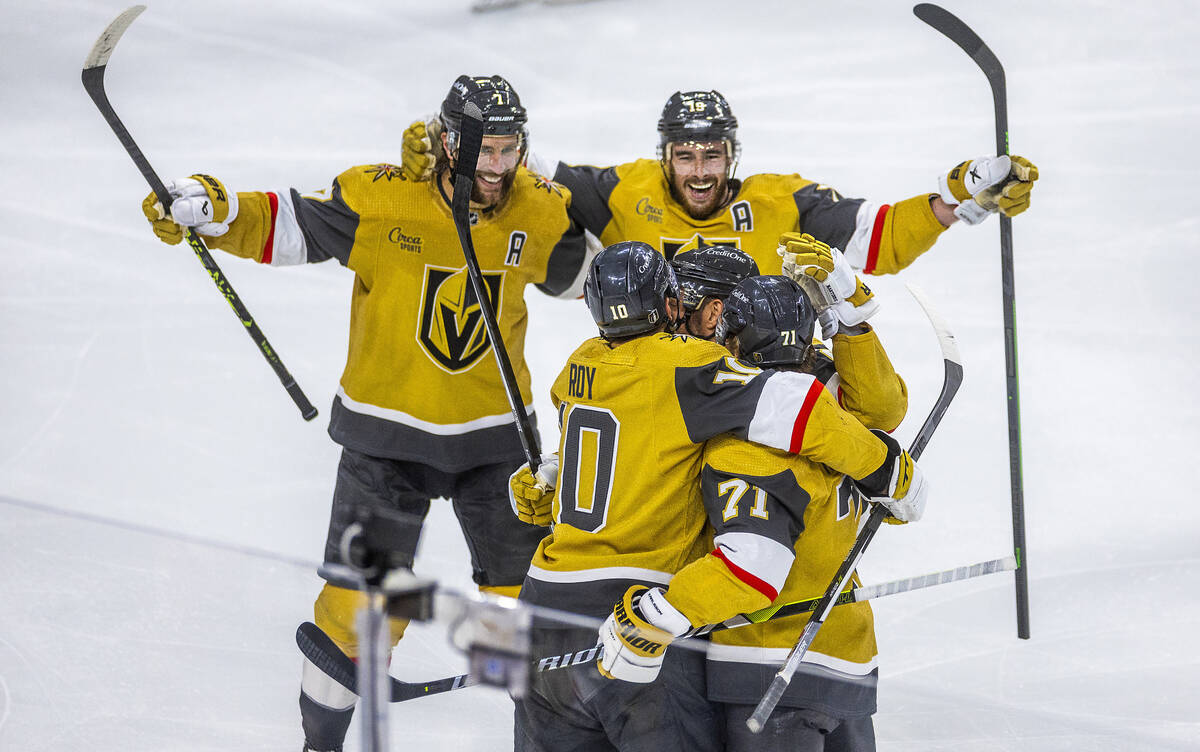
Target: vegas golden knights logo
column 452, row 329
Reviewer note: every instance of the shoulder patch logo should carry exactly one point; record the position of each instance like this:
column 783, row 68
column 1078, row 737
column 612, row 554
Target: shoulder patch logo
column 386, row 171
column 451, row 330
column 546, row 184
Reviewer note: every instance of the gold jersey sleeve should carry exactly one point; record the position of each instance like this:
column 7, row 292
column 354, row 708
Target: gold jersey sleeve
column 868, row 386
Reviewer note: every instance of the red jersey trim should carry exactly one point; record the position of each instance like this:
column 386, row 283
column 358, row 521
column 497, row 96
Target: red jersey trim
column 269, row 247
column 761, row 586
column 810, row 401
column 876, row 237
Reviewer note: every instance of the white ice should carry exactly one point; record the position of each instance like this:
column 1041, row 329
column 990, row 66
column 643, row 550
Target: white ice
column 162, row 503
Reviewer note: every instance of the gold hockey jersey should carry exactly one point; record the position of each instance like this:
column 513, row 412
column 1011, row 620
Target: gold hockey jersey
column 783, row 527
column 633, row 201
column 780, row 527
column 421, row 381
column 633, row 420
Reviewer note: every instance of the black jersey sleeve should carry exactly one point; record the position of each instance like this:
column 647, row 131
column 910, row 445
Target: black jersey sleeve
column 566, row 261
column 328, row 226
column 719, row 397
column 590, row 189
column 767, row 506
column 826, row 214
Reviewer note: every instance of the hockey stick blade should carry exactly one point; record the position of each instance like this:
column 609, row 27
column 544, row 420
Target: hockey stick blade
column 951, row 381
column 470, row 140
column 94, row 67
column 958, row 32
column 325, row 655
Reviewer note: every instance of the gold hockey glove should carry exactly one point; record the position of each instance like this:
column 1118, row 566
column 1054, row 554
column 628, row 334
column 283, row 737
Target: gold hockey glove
column 636, row 634
column 418, row 150
column 987, row 185
column 805, row 255
column 532, row 496
column 1012, row 196
column 201, row 201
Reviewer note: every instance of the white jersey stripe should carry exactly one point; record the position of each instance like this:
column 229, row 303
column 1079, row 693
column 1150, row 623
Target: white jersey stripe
column 778, row 406
column 439, row 429
column 777, row 656
column 768, row 560
column 858, row 248
column 601, row 573
column 289, row 247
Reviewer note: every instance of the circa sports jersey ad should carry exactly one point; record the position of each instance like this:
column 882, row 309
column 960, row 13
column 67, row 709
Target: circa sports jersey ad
column 613, row 377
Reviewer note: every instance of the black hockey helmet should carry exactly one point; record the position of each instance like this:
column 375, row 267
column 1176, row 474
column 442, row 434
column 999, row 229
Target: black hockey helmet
column 772, row 319
column 697, row 116
column 627, row 287
column 496, row 99
column 710, row 271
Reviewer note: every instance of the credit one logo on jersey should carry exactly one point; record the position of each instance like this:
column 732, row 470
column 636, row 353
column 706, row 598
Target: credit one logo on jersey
column 452, row 331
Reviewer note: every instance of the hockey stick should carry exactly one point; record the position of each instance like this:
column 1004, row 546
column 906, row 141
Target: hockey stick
column 325, row 655
column 962, row 35
column 950, row 383
column 470, row 140
column 93, row 82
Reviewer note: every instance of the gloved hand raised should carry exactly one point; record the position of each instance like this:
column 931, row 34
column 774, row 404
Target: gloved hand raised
column 532, row 496
column 826, row 276
column 419, row 149
column 988, row 184
column 636, row 634
column 200, row 201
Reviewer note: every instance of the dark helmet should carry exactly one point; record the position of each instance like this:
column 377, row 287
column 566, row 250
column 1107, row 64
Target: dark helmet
column 496, row 99
column 772, row 319
column 698, row 116
column 710, row 271
column 627, row 287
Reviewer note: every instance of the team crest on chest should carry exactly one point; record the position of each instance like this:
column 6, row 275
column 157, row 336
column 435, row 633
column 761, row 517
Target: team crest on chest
column 452, row 331
column 672, row 246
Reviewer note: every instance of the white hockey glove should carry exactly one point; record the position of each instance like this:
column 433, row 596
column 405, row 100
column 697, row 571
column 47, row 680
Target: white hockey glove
column 636, row 634
column 853, row 311
column 201, row 202
column 898, row 484
column 986, row 185
column 827, row 278
column 532, row 496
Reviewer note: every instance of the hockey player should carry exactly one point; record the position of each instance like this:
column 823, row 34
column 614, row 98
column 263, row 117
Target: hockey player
column 707, row 274
column 872, row 391
column 635, row 405
column 690, row 193
column 421, row 411
column 782, row 526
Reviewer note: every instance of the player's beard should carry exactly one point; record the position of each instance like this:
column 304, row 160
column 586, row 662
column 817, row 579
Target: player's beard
column 488, row 195
column 698, row 201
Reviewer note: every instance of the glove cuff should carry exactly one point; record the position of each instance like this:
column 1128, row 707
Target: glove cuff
column 970, row 212
column 657, row 610
column 943, row 190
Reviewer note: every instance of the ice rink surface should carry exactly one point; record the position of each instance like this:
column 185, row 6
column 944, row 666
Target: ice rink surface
column 162, row 505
